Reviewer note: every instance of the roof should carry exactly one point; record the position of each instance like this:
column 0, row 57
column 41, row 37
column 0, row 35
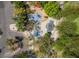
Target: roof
column 50, row 26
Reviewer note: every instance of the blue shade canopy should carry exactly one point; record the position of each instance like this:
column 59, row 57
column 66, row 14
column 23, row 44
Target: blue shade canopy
column 37, row 32
column 35, row 17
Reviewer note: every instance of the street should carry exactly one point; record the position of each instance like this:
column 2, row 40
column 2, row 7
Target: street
column 2, row 26
column 6, row 10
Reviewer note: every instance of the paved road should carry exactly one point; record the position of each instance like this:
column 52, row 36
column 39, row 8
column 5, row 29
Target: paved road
column 4, row 22
column 6, row 10
column 2, row 25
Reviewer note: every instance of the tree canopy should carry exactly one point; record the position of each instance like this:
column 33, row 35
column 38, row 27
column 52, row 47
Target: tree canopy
column 46, row 45
column 67, row 28
column 53, row 9
column 72, row 50
column 71, row 10
column 19, row 4
column 21, row 16
column 68, row 39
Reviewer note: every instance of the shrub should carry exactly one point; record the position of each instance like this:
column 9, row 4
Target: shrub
column 53, row 9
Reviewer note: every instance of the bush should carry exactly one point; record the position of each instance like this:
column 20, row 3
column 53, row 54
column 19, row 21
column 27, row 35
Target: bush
column 53, row 9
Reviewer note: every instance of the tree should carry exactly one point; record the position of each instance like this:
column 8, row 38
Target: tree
column 53, row 9
column 68, row 40
column 19, row 4
column 11, row 43
column 71, row 10
column 72, row 50
column 21, row 16
column 46, row 45
column 20, row 23
column 61, row 43
column 43, row 3
column 20, row 11
column 67, row 28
